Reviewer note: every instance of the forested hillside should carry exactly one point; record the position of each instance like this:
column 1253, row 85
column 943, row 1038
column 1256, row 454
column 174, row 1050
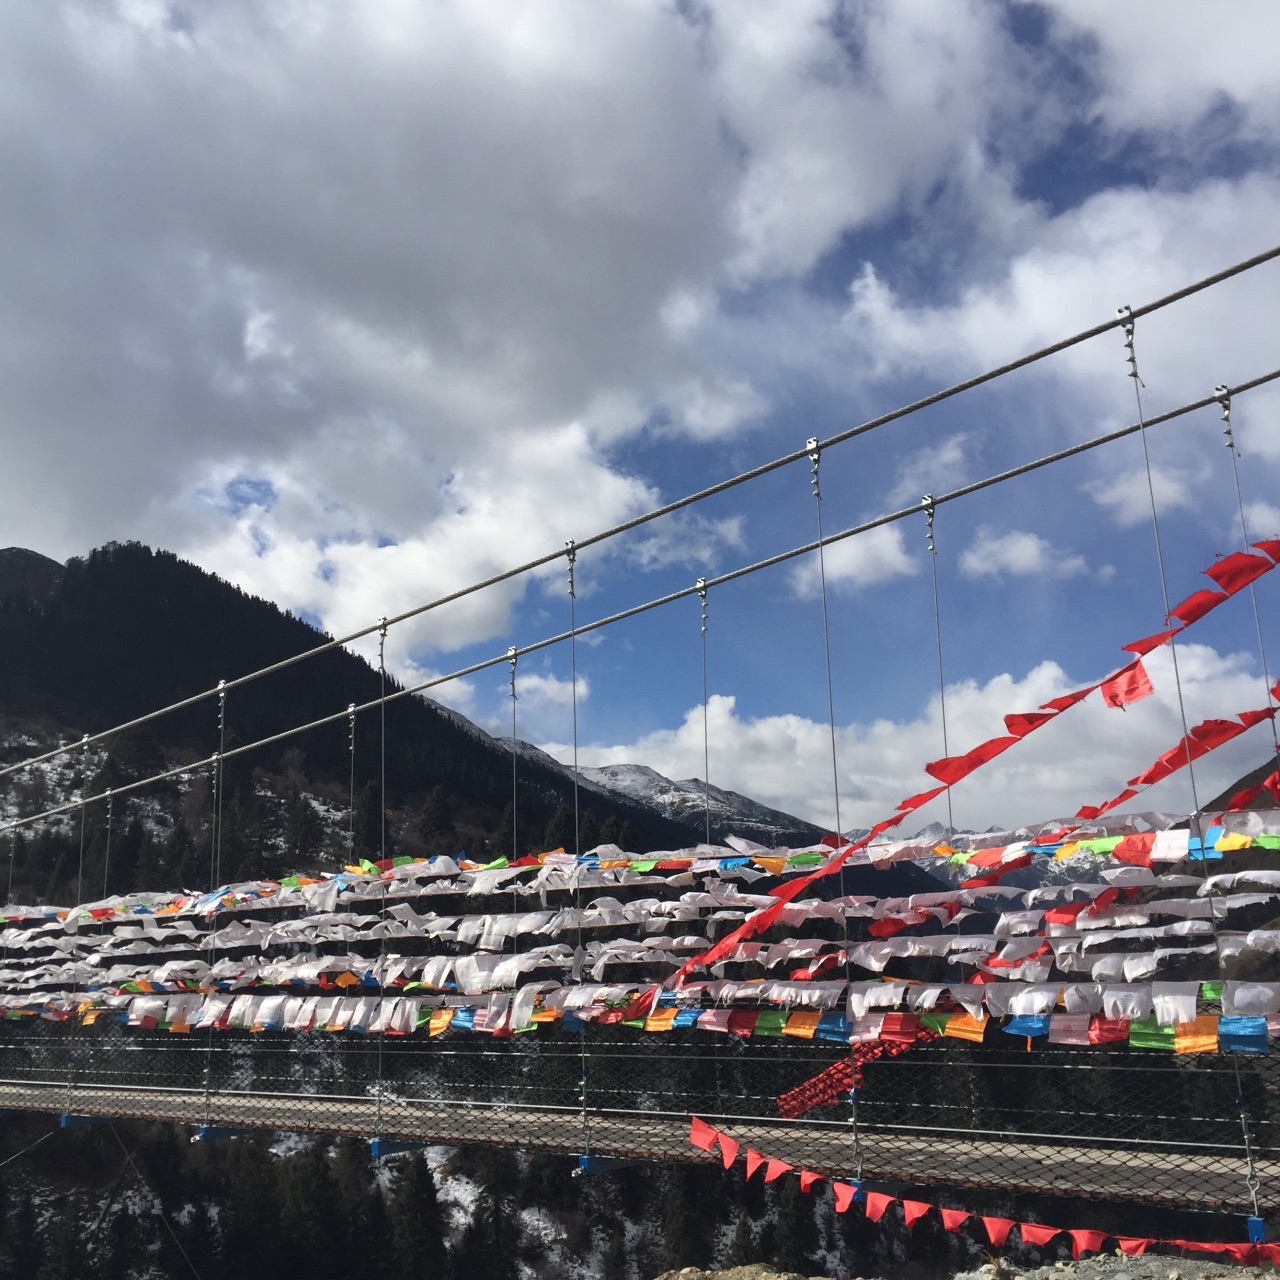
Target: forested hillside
column 127, row 629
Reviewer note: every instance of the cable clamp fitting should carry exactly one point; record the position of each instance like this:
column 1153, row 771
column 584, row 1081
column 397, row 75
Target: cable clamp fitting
column 930, row 509
column 1222, row 394
column 815, row 461
column 512, row 655
column 1126, row 315
column 571, row 554
column 702, row 596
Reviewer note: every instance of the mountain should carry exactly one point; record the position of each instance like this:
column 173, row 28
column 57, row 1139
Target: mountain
column 690, row 801
column 126, row 629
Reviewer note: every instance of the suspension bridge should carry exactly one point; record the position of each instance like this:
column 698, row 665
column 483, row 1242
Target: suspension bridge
column 883, row 1010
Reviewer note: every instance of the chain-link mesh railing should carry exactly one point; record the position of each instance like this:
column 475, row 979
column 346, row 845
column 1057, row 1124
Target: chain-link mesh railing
column 1103, row 1121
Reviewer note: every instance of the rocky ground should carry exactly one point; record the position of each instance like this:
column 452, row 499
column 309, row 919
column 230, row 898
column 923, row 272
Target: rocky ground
column 1101, row 1267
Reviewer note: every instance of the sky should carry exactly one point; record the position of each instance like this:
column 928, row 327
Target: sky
column 356, row 304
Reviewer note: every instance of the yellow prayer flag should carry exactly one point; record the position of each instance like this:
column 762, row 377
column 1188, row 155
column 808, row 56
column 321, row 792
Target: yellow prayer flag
column 661, row 1019
column 964, row 1026
column 1200, row 1035
column 440, row 1019
column 802, row 1024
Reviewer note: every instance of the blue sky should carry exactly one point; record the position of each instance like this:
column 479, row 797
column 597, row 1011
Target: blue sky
column 356, row 304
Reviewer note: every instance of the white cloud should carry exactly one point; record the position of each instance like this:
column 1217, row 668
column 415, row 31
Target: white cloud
column 1082, row 758
column 1017, row 553
column 1165, row 64
column 864, row 560
column 1128, row 497
column 931, row 469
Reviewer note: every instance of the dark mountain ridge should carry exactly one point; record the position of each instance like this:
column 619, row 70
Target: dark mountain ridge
column 127, row 629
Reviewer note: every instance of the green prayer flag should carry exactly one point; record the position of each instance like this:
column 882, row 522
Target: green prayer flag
column 770, row 1023
column 1147, row 1033
column 1211, row 991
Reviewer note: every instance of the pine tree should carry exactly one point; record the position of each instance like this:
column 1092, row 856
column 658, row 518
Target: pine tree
column 795, row 1235
column 742, row 1248
column 686, row 1226
column 416, row 1223
column 559, row 833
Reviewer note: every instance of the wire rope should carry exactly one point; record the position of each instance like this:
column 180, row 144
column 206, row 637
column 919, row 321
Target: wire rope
column 1224, row 399
column 1195, row 823
column 930, row 510
column 512, row 656
column 700, row 495
column 682, row 593
column 351, row 788
column 106, row 860
column 815, row 482
column 572, row 553
column 706, row 727
column 382, row 836
column 84, row 809
column 164, row 1217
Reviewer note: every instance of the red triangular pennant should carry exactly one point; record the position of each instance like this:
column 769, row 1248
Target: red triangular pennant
column 1129, row 684
column 728, row 1149
column 701, row 1134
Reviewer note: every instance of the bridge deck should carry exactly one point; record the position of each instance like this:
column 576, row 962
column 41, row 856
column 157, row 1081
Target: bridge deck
column 1193, row 1178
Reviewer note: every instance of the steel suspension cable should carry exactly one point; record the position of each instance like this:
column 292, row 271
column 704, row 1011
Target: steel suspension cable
column 815, row 482
column 84, row 787
column 512, row 656
column 1224, row 399
column 106, row 861
column 1195, row 823
column 700, row 495
column 930, row 510
column 572, row 553
column 706, row 729
column 680, row 594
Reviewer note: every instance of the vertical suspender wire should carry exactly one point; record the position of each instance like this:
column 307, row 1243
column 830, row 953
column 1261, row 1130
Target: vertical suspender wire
column 515, row 842
column 351, row 786
column 13, row 857
column 220, row 786
column 214, row 762
column 706, row 733
column 571, row 551
column 106, row 861
column 84, row 791
column 815, row 461
column 382, row 855
column 927, row 503
column 1195, row 825
column 1224, row 399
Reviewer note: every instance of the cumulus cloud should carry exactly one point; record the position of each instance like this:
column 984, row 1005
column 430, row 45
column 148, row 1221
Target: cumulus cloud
column 1128, row 497
column 864, row 560
column 1017, row 553
column 1082, row 758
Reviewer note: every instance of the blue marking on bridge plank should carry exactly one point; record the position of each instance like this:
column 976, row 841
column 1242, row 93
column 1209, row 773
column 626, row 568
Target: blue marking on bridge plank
column 388, row 1147
column 70, row 1121
column 588, row 1165
column 216, row 1132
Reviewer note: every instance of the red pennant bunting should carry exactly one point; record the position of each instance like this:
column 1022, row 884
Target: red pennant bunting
column 1021, row 723
column 742, row 1022
column 1147, row 643
column 1196, row 605
column 808, row 1178
column 1250, row 718
column 1234, row 572
column 1134, row 1246
column 1083, row 1241
column 877, row 1203
column 1129, row 684
column 1034, row 1233
column 701, row 1134
column 1269, row 546
column 845, row 1195
column 774, row 1169
column 998, row 1229
column 914, row 1210
column 954, row 1219
column 1242, row 799
column 1106, row 1030
column 1067, row 699
column 951, row 769
column 728, row 1149
column 915, row 802
column 754, row 1161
